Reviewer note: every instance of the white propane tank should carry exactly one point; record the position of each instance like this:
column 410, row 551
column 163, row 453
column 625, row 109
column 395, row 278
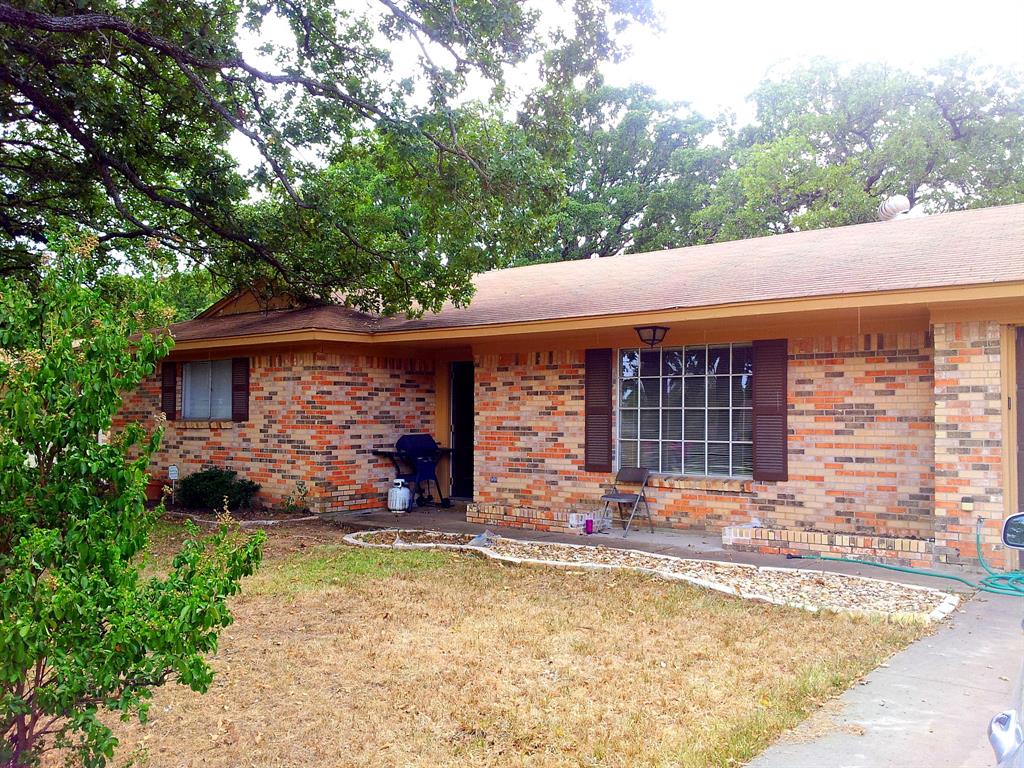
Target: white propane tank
column 399, row 497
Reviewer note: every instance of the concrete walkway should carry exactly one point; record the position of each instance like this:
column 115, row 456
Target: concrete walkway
column 928, row 707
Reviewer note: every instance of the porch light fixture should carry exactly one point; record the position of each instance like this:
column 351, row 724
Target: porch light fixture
column 651, row 335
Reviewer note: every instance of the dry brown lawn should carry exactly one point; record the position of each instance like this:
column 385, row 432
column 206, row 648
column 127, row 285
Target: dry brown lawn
column 352, row 657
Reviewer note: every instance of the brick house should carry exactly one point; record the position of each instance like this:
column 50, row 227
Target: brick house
column 854, row 389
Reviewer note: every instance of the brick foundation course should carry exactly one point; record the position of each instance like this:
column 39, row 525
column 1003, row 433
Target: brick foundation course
column 917, row 553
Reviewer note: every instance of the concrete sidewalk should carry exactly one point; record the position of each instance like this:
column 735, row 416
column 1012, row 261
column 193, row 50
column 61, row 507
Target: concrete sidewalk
column 928, row 707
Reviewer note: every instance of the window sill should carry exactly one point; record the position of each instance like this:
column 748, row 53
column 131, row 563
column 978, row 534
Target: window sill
column 200, row 424
column 694, row 483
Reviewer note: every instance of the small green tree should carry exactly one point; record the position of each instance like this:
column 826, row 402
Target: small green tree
column 81, row 630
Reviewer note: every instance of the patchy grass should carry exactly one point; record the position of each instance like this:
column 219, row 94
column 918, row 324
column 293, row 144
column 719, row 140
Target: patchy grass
column 332, row 565
column 345, row 657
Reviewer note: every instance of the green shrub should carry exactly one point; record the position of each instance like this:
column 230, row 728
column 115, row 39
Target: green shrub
column 208, row 488
column 85, row 636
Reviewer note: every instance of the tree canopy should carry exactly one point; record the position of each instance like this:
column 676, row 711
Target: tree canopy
column 827, row 144
column 394, row 159
column 636, row 165
column 379, row 179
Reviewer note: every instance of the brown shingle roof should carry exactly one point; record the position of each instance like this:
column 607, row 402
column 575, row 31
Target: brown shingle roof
column 964, row 248
column 330, row 318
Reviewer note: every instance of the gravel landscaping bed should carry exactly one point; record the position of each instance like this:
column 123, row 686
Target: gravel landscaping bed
column 810, row 590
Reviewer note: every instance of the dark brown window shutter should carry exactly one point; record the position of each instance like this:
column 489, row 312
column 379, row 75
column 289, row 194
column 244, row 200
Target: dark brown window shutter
column 770, row 427
column 240, row 389
column 169, row 389
column 597, row 406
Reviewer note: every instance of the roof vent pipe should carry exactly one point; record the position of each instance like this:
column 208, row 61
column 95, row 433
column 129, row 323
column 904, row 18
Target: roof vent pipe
column 893, row 208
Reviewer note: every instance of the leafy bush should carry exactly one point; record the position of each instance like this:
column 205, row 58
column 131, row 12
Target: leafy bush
column 208, row 488
column 297, row 501
column 81, row 630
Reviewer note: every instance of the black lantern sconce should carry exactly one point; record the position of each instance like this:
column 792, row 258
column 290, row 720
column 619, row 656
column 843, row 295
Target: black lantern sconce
column 651, row 335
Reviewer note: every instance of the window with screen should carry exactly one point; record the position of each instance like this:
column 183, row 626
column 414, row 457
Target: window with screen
column 206, row 390
column 687, row 410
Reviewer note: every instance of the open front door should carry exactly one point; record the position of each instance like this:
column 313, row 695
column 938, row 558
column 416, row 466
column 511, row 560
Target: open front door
column 463, row 414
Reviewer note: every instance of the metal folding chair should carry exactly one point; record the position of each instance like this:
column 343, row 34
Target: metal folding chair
column 631, row 476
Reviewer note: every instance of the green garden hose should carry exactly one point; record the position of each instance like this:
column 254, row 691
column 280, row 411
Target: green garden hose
column 1010, row 583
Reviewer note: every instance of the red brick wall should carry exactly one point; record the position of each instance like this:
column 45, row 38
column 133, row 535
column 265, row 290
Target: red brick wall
column 860, row 450
column 861, row 445
column 968, row 439
column 314, row 417
column 528, row 464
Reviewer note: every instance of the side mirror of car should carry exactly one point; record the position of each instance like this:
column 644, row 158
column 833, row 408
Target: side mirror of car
column 1005, row 736
column 1013, row 531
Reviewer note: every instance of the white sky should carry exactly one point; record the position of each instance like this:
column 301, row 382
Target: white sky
column 714, row 53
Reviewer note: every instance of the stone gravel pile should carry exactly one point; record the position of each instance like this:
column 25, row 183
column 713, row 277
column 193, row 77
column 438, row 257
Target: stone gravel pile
column 801, row 588
column 390, row 537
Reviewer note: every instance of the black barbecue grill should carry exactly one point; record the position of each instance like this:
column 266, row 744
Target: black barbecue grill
column 415, row 458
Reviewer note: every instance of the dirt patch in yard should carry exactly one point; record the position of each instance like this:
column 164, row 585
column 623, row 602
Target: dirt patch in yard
column 294, row 538
column 367, row 657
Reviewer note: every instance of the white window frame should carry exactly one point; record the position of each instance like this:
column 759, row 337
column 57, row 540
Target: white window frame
column 191, row 371
column 734, row 472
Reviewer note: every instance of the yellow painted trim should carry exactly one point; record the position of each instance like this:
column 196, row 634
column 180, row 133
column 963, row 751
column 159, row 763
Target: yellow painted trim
column 442, row 407
column 214, row 309
column 822, row 324
column 1006, row 311
column 442, row 428
column 247, row 300
column 934, row 297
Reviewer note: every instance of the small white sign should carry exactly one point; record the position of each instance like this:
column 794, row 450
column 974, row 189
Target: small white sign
column 172, row 472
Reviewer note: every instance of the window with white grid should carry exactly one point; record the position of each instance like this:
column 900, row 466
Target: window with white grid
column 687, row 410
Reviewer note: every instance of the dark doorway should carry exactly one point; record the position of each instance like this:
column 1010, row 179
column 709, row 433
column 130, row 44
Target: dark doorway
column 462, row 429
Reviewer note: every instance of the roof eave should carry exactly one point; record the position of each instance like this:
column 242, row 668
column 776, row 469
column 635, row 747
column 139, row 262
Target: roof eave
column 943, row 295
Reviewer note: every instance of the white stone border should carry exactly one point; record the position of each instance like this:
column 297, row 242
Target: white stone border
column 948, row 605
